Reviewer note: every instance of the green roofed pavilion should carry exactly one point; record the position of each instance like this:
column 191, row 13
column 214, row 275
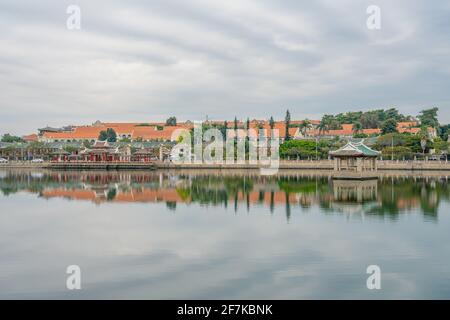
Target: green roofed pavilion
column 353, row 149
column 355, row 157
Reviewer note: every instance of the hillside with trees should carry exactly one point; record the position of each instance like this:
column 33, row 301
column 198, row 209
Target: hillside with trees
column 373, row 119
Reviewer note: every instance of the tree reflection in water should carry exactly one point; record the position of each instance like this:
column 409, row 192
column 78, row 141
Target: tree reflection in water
column 386, row 197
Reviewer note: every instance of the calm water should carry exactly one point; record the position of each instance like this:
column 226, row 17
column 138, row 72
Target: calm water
column 167, row 235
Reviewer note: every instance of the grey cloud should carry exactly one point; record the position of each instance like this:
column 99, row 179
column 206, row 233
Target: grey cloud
column 152, row 59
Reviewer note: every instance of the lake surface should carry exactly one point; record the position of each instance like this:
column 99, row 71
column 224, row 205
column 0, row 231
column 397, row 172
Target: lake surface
column 206, row 234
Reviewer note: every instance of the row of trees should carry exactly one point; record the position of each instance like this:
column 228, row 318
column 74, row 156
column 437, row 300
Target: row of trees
column 386, row 120
column 11, row 139
column 366, row 120
column 394, row 145
column 407, row 146
column 390, row 142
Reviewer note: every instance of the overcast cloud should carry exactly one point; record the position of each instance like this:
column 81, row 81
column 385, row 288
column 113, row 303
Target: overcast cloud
column 146, row 60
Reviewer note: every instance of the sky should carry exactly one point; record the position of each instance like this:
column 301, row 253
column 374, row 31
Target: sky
column 144, row 61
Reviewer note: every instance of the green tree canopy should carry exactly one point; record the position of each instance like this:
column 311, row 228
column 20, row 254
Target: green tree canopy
column 372, row 119
column 287, row 123
column 271, row 123
column 71, row 149
column 304, row 149
column 440, row 146
column 398, row 153
column 171, row 121
column 389, row 126
column 429, row 117
column 10, row 138
column 444, row 132
column 109, row 135
column 304, row 126
column 357, row 127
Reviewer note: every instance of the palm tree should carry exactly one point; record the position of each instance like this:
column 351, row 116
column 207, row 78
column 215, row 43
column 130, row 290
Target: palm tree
column 357, row 127
column 424, row 136
column 287, row 123
column 271, row 123
column 323, row 127
column 224, row 128
column 304, row 126
column 235, row 128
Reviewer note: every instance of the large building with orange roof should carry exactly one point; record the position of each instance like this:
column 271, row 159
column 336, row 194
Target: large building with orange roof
column 159, row 131
column 279, row 127
column 153, row 131
column 132, row 131
column 31, row 138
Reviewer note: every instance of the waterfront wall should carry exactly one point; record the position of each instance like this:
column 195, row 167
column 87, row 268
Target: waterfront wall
column 325, row 165
column 22, row 164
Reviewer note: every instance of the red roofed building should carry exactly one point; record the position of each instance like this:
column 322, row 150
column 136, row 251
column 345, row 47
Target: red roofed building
column 132, row 131
column 161, row 132
column 31, row 138
column 102, row 151
column 257, row 125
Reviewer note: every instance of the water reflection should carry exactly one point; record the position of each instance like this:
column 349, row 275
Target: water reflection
column 222, row 235
column 355, row 191
column 388, row 196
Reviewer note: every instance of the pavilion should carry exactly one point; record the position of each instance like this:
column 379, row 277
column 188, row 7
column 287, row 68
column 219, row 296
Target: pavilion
column 60, row 155
column 151, row 151
column 145, row 155
column 355, row 160
column 102, row 151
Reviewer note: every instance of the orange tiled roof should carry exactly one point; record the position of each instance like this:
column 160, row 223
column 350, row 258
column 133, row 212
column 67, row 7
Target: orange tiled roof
column 151, row 133
column 313, row 122
column 71, row 194
column 149, row 195
column 86, row 132
column 371, row 131
column 408, row 130
column 135, row 130
column 146, row 195
column 162, row 195
column 278, row 125
column 407, row 124
column 30, row 138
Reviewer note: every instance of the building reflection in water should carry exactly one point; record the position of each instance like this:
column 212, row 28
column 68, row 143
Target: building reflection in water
column 355, row 198
column 355, row 190
column 293, row 193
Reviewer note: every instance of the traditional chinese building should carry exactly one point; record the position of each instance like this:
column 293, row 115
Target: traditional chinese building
column 60, row 155
column 348, row 191
column 355, row 160
column 102, row 151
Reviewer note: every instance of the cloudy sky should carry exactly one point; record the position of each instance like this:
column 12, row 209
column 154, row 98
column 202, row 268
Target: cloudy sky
column 147, row 60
